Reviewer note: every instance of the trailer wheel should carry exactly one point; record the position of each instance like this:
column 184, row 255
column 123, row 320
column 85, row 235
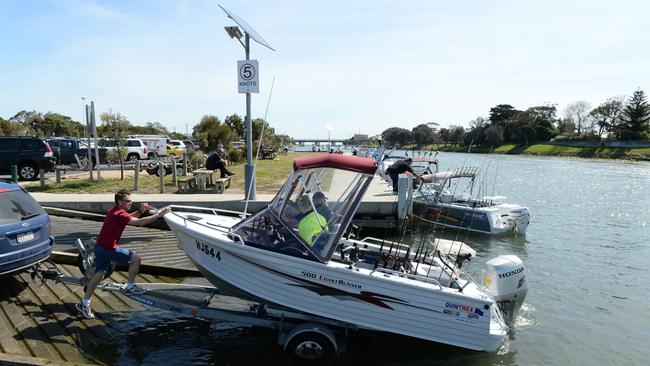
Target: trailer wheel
column 310, row 346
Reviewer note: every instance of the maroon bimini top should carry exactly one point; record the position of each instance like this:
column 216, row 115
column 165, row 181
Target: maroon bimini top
column 345, row 162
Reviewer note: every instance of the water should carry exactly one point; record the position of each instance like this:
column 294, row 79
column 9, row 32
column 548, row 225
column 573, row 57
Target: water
column 586, row 253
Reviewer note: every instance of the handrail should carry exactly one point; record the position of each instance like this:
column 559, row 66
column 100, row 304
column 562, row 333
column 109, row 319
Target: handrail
column 370, row 239
column 211, row 209
column 212, row 227
column 408, row 275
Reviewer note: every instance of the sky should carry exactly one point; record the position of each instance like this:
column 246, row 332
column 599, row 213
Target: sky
column 339, row 67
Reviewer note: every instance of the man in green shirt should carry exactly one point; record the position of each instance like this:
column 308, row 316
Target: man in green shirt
column 312, row 223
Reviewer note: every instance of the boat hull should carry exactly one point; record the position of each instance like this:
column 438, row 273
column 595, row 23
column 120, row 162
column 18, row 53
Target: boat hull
column 362, row 297
column 481, row 220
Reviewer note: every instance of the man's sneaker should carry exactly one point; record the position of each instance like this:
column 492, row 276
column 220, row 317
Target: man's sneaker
column 85, row 311
column 134, row 290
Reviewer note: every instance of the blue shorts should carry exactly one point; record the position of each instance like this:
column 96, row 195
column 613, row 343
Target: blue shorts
column 104, row 257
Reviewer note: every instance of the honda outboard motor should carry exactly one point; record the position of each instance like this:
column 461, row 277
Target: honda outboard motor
column 521, row 217
column 505, row 280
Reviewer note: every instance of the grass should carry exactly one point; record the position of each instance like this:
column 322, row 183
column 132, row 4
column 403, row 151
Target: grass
column 270, row 175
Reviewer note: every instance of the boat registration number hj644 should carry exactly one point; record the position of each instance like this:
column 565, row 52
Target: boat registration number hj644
column 208, row 250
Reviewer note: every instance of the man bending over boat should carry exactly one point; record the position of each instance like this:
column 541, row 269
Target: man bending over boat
column 107, row 251
column 401, row 167
column 312, row 223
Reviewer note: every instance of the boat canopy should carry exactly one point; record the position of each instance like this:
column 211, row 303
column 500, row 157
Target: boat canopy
column 313, row 209
column 344, row 162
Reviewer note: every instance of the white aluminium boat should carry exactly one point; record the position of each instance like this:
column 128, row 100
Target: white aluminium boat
column 445, row 199
column 388, row 287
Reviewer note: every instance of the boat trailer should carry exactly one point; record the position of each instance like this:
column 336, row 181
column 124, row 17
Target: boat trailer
column 302, row 335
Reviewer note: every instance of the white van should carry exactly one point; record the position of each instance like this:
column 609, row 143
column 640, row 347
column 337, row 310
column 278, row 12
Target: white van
column 156, row 144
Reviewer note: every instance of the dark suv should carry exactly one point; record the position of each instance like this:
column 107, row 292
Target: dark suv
column 25, row 230
column 29, row 153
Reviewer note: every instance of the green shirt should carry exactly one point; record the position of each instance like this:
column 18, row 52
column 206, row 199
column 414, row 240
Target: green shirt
column 310, row 226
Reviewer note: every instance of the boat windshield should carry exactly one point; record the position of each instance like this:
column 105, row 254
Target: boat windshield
column 309, row 214
column 447, row 187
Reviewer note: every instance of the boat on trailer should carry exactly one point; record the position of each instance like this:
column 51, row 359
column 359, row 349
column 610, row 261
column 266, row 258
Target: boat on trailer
column 271, row 257
column 445, row 199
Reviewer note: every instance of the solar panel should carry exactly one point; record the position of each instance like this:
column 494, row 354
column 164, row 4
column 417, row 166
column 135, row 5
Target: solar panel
column 247, row 28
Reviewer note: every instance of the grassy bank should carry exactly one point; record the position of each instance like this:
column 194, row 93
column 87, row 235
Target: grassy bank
column 548, row 150
column 270, row 175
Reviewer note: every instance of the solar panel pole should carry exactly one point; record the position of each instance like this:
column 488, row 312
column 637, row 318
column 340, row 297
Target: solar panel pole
column 249, row 169
column 249, row 32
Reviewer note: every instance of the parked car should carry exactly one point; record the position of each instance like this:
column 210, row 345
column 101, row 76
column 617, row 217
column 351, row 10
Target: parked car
column 29, row 154
column 156, row 144
column 178, row 144
column 25, row 230
column 191, row 145
column 136, row 149
column 174, row 150
column 65, row 149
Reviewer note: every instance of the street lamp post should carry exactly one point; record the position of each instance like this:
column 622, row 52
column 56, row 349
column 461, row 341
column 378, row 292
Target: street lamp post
column 249, row 32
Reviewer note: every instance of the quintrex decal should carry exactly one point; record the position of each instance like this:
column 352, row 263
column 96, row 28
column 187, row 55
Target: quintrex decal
column 471, row 311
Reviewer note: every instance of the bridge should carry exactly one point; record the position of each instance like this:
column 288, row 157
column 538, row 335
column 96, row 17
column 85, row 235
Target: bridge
column 302, row 142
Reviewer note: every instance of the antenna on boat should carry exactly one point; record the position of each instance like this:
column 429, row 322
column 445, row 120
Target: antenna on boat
column 259, row 147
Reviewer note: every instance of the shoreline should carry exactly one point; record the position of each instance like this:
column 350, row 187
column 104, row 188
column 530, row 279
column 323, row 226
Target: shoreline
column 548, row 150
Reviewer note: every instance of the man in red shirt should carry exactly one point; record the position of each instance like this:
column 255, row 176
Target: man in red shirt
column 107, row 251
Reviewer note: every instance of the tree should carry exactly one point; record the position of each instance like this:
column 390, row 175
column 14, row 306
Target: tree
column 566, row 126
column 30, row 121
column 578, row 113
column 607, row 115
column 237, row 124
column 502, row 114
column 54, row 124
column 149, row 128
column 8, row 128
column 422, row 135
column 494, row 136
column 636, row 116
column 115, row 126
column 456, row 134
column 269, row 132
column 210, row 132
column 396, row 136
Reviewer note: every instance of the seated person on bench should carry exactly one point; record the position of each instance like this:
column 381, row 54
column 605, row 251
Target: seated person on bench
column 214, row 162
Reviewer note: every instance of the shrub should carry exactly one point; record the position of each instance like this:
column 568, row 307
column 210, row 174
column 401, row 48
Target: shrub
column 235, row 156
column 196, row 158
column 112, row 154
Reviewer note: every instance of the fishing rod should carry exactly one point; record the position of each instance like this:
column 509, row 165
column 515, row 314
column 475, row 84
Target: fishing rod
column 259, row 146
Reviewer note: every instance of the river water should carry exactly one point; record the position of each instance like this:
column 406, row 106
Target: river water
column 586, row 254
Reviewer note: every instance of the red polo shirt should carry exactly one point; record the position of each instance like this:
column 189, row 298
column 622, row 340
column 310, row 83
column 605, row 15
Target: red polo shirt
column 114, row 224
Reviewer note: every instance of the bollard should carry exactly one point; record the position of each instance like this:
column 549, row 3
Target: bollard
column 173, row 163
column 136, row 175
column 57, row 170
column 404, row 196
column 161, row 171
column 14, row 173
column 185, row 162
column 41, row 174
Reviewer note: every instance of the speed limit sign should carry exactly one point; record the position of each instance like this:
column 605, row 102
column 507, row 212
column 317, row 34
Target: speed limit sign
column 248, row 76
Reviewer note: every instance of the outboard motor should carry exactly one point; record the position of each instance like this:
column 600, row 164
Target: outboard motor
column 505, row 280
column 521, row 218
